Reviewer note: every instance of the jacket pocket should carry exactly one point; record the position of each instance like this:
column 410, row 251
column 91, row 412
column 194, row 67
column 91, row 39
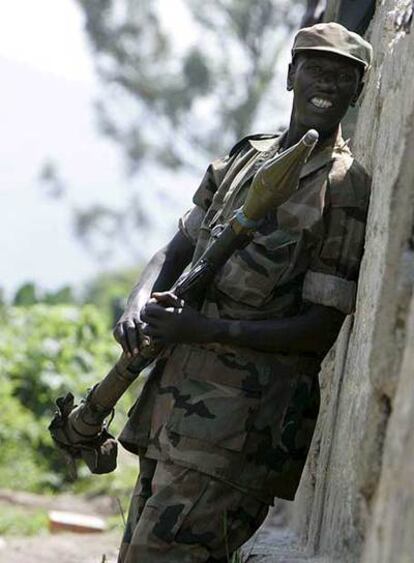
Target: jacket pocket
column 213, row 413
column 251, row 274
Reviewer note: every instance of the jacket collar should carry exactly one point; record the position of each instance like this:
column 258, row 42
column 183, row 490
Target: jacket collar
column 323, row 154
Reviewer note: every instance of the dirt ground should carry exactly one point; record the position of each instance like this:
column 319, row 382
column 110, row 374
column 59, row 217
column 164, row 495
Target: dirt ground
column 60, row 547
column 273, row 543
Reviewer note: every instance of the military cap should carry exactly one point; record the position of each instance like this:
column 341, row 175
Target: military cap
column 333, row 38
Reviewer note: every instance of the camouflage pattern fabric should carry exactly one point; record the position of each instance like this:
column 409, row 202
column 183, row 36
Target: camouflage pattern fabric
column 244, row 417
column 141, row 493
column 238, row 415
column 334, row 38
column 190, row 518
column 320, row 229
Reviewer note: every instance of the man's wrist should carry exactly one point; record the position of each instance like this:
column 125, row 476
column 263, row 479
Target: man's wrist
column 134, row 306
column 215, row 330
column 130, row 313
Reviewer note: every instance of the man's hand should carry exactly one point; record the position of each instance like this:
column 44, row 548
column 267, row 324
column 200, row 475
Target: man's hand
column 169, row 320
column 128, row 332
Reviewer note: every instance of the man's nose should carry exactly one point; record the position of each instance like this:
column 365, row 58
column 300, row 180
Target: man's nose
column 328, row 81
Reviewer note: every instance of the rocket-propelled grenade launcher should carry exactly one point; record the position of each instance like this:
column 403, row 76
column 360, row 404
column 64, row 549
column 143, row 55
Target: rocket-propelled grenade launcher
column 80, row 431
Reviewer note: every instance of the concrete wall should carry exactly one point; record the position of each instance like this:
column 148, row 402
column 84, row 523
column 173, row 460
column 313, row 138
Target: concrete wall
column 356, row 499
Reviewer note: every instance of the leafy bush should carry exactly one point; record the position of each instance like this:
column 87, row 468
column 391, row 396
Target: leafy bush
column 46, row 351
column 16, row 521
column 29, row 294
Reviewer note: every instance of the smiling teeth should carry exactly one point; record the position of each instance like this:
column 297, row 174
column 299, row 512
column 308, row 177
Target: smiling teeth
column 321, row 103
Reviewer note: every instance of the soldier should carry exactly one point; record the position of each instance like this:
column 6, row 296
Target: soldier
column 226, row 417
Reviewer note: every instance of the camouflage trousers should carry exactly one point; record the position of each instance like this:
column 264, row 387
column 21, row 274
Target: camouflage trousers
column 178, row 515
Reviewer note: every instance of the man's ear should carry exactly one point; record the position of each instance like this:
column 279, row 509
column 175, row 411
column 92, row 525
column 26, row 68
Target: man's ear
column 290, row 76
column 357, row 93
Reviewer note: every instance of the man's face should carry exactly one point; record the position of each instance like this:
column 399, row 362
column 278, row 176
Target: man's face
column 324, row 86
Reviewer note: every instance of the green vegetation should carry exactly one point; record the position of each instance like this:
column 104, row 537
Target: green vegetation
column 28, row 294
column 46, row 351
column 118, row 484
column 109, row 291
column 16, row 521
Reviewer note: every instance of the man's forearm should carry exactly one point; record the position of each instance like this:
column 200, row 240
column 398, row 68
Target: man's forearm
column 161, row 272
column 313, row 332
column 141, row 292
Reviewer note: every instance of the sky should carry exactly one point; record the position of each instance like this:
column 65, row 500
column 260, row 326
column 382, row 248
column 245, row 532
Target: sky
column 47, row 114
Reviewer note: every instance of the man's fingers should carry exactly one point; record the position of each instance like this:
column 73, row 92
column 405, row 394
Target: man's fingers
column 150, row 305
column 168, row 299
column 151, row 330
column 153, row 312
column 165, row 297
column 119, row 336
column 138, row 327
column 118, row 333
column 131, row 337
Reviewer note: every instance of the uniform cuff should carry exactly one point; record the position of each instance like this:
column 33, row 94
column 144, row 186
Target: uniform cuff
column 332, row 291
column 190, row 223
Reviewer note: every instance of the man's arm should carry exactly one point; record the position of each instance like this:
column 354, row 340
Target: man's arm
column 159, row 275
column 312, row 332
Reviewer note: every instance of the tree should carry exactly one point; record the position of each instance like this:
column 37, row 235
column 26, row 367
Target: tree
column 172, row 103
column 27, row 294
column 179, row 105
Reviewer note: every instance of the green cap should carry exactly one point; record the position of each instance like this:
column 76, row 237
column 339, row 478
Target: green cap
column 334, row 38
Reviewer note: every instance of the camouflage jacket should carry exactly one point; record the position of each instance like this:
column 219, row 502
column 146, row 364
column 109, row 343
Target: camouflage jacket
column 240, row 415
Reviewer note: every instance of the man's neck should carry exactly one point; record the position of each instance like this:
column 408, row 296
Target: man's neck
column 296, row 131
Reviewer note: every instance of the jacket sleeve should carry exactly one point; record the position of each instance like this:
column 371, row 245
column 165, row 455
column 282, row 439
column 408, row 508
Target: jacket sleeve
column 332, row 277
column 190, row 223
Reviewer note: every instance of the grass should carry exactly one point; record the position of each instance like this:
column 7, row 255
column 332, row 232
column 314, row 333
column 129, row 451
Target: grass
column 21, row 521
column 18, row 521
column 118, row 484
column 235, row 557
column 115, row 522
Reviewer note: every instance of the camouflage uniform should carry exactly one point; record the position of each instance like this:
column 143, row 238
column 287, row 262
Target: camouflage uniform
column 189, row 517
column 237, row 423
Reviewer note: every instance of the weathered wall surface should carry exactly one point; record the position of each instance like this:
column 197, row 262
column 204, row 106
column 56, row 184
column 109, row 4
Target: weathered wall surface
column 356, row 500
